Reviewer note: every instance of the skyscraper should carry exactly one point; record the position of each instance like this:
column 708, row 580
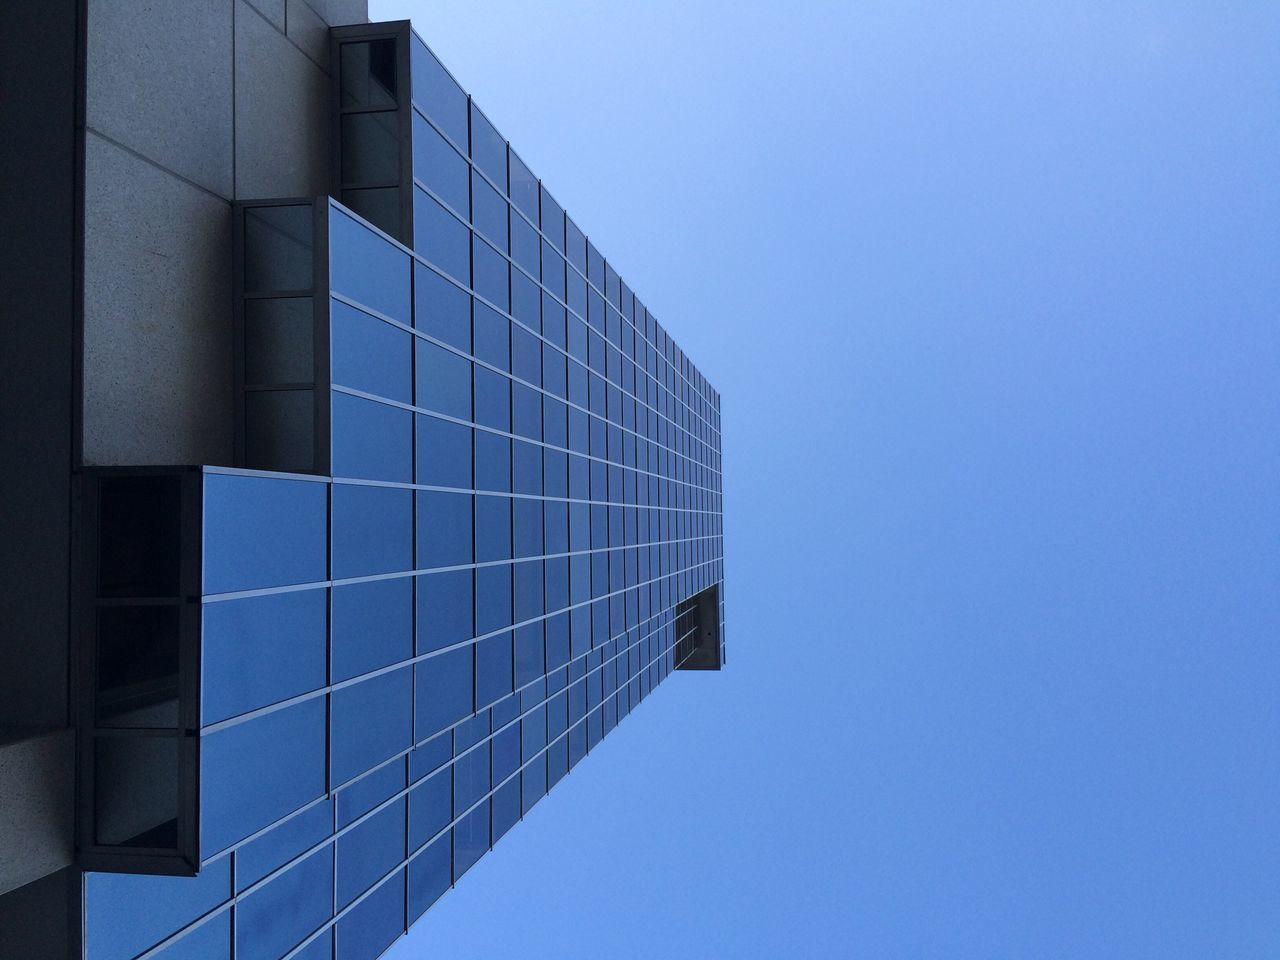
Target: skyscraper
column 378, row 496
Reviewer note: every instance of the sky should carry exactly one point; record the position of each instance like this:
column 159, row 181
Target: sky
column 991, row 294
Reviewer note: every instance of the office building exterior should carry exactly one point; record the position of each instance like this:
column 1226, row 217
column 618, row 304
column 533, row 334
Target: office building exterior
column 354, row 497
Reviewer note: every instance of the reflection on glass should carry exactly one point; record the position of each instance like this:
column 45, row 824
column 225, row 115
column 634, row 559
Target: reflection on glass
column 368, row 73
column 136, row 791
column 277, row 248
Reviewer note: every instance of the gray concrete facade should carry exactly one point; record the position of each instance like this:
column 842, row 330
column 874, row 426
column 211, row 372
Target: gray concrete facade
column 188, row 108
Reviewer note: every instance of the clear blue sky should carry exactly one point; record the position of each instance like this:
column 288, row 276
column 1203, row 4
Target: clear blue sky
column 992, row 295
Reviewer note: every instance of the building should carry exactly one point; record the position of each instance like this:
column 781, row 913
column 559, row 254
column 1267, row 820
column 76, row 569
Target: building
column 352, row 495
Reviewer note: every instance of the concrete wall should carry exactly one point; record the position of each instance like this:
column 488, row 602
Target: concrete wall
column 189, row 106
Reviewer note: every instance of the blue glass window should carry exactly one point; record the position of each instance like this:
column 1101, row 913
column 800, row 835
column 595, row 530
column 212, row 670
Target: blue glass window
column 209, row 941
column 493, row 669
column 577, row 344
column 492, row 337
column 525, row 295
column 555, row 468
column 371, row 440
column 493, row 461
column 493, row 399
column 552, row 220
column 471, row 777
column 553, row 320
column 439, row 165
column 430, row 875
column 368, row 267
column 556, row 519
column 278, row 916
column 442, row 309
column 526, row 411
column 372, row 925
column 493, row 528
column 127, row 913
column 489, row 212
column 491, row 273
column 440, row 237
column 525, row 244
column 371, row 722
column 488, row 149
column 438, row 94
column 367, row 851
column 506, row 808
column 370, row 355
column 505, row 753
column 576, row 293
column 528, row 527
column 372, row 625
column 444, row 528
column 493, row 598
column 552, row 270
column 530, row 657
column 444, row 381
column 445, row 691
column 260, row 650
column 554, row 377
column 366, row 793
column 557, row 574
column 263, row 532
column 470, row 839
column 526, row 356
column 528, row 590
column 528, row 468
column 575, row 245
column 445, row 605
column 557, row 639
column 281, row 753
column 279, row 845
column 430, row 807
column 524, row 187
column 372, row 530
column 444, row 453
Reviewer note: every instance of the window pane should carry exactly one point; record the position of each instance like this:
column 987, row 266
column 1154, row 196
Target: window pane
column 444, row 453
column 441, row 237
column 442, row 309
column 437, row 164
column 445, row 693
column 368, row 268
column 372, row 626
column 281, row 753
column 439, row 97
column 488, row 149
column 444, row 381
column 260, row 650
column 368, row 73
column 372, row 530
column 445, row 609
column 444, row 529
column 372, row 721
column 371, row 148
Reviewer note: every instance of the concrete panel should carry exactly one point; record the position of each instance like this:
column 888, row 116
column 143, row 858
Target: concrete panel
column 338, row 12
column 281, row 116
column 157, row 315
column 159, row 81
column 37, row 787
column 273, row 10
column 309, row 32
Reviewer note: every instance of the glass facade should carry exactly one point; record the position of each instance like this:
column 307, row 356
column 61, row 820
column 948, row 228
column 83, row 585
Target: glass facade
column 479, row 520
